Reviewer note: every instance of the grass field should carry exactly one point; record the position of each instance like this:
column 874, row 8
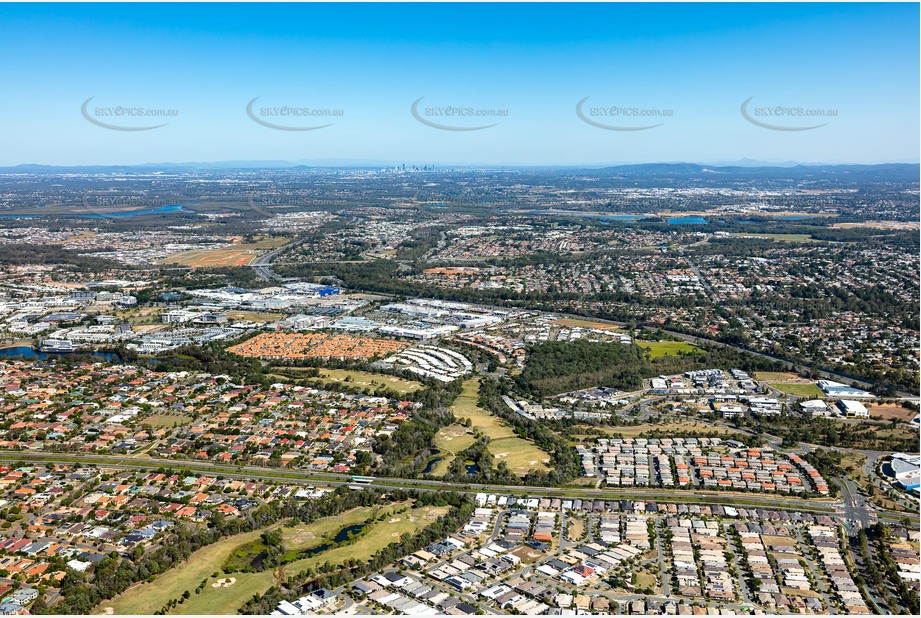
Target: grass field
column 663, row 348
column 369, row 380
column 520, row 455
column 147, row 598
column 165, row 420
column 140, row 316
column 800, row 390
column 677, row 428
column 212, row 258
column 254, row 316
column 777, row 376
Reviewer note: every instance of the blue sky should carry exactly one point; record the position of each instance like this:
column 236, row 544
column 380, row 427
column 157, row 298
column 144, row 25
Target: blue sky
column 690, row 66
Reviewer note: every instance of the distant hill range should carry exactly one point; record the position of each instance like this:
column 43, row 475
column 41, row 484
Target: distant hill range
column 885, row 171
column 745, row 169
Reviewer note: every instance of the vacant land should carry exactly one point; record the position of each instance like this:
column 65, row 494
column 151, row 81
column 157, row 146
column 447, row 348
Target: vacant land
column 663, row 348
column 520, row 455
column 577, row 323
column 165, row 420
column 141, row 316
column 254, row 316
column 890, row 411
column 237, row 254
column 575, row 529
column 779, row 376
column 212, row 258
column 800, row 390
column 675, row 427
column 369, row 380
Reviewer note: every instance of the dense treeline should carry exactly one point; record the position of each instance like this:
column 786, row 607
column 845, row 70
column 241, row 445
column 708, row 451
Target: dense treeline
column 18, row 255
column 214, row 359
column 199, row 278
column 558, row 366
column 886, row 572
column 831, row 432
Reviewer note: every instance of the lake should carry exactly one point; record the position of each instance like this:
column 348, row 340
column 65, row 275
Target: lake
column 29, row 353
column 115, row 215
column 687, row 221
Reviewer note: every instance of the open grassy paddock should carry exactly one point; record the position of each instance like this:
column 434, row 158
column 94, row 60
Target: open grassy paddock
column 663, row 348
column 520, row 455
column 369, row 380
column 800, row 390
column 778, row 376
column 255, row 316
column 778, row 237
column 165, row 420
column 675, row 427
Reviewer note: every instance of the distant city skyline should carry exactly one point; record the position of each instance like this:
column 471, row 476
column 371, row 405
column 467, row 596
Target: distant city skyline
column 460, row 85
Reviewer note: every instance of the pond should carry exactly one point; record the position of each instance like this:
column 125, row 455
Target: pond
column 433, row 462
column 341, row 536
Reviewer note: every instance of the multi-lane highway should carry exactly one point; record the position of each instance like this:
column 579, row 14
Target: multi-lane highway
column 772, row 502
